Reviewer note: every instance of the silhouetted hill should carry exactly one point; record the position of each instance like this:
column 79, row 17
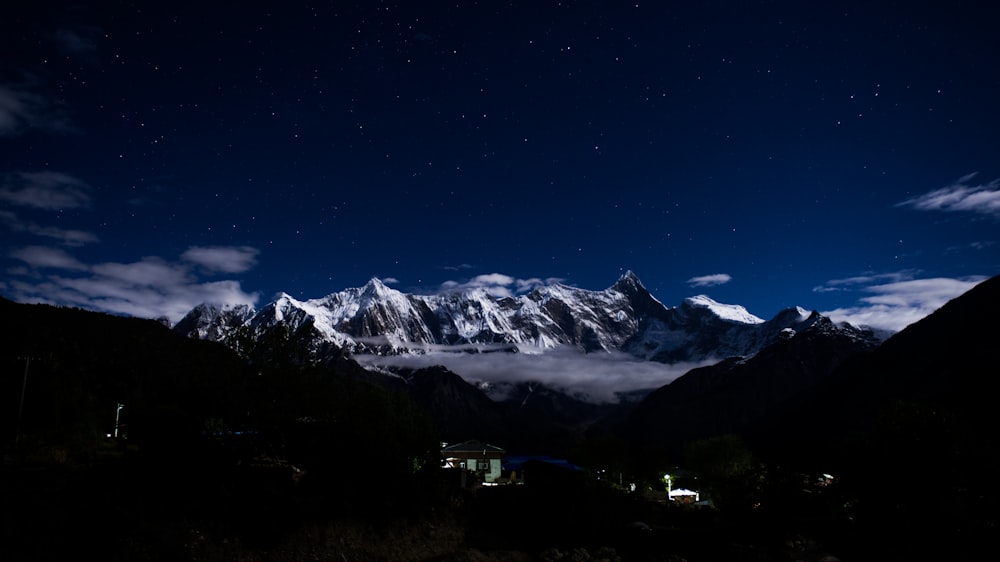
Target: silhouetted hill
column 533, row 419
column 460, row 410
column 945, row 364
column 726, row 398
column 182, row 397
column 249, row 450
column 909, row 429
column 80, row 365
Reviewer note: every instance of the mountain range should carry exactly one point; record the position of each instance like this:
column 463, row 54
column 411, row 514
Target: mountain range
column 427, row 345
column 624, row 318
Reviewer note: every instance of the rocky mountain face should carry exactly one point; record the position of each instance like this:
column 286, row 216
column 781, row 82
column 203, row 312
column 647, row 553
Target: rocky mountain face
column 377, row 319
column 213, row 322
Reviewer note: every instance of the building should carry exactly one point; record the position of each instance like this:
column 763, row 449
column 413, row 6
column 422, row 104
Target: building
column 476, row 457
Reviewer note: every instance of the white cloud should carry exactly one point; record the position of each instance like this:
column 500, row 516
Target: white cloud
column 48, row 190
column 21, row 109
column 67, row 237
column 528, row 285
column 151, row 287
column 595, row 377
column 982, row 198
column 869, row 278
column 15, row 110
column 459, row 267
column 497, row 284
column 44, row 257
column 895, row 305
column 147, row 272
column 710, row 280
column 222, row 259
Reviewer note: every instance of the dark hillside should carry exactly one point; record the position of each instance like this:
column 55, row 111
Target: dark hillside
column 206, row 440
column 911, row 428
column 80, row 365
column 730, row 396
column 944, row 363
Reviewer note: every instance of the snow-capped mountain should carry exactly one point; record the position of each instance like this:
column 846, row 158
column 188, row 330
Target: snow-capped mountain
column 376, row 319
column 213, row 322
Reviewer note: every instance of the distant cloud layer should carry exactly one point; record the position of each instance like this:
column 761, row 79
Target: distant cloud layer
column 710, row 280
column 222, row 259
column 982, row 198
column 593, row 377
column 897, row 303
column 149, row 288
column 63, row 236
column 46, row 190
column 21, row 109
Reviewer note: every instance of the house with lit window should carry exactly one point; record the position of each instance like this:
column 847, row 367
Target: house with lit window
column 474, row 457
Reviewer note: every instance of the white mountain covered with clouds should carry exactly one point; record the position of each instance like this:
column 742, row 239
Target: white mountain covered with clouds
column 619, row 339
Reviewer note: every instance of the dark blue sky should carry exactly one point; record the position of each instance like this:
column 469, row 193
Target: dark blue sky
column 841, row 157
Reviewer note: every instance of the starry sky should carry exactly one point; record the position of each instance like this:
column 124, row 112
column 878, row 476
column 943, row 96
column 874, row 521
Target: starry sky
column 839, row 156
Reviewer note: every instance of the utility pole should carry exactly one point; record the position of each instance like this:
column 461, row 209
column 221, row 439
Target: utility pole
column 20, row 406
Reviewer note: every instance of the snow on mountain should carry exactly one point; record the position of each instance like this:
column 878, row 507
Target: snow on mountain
column 600, row 343
column 376, row 319
column 731, row 312
column 213, row 322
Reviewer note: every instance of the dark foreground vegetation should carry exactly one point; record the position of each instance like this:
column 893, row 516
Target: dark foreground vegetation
column 228, row 457
column 125, row 506
column 122, row 511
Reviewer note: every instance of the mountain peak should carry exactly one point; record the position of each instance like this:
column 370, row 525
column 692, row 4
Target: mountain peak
column 627, row 283
column 375, row 288
column 211, row 320
column 794, row 315
column 629, row 276
column 630, row 286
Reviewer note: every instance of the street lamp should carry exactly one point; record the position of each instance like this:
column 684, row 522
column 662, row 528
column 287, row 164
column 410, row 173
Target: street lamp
column 118, row 415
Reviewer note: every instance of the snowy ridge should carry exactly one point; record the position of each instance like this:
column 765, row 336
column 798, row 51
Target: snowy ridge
column 731, row 312
column 376, row 319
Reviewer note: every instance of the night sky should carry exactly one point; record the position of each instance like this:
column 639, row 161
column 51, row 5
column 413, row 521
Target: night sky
column 839, row 156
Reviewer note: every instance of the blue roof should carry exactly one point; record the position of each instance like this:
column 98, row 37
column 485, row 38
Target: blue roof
column 516, row 463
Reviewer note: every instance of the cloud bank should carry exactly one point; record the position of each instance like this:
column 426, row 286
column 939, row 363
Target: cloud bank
column 46, row 190
column 149, row 288
column 594, row 377
column 710, row 280
column 222, row 259
column 21, row 109
column 983, row 198
column 63, row 236
column 895, row 301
